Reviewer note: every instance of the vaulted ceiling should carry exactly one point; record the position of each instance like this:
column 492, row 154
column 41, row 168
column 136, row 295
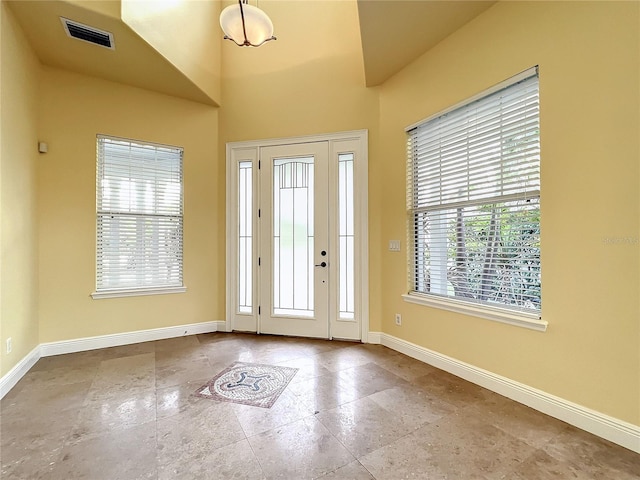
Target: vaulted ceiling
column 396, row 32
column 393, row 34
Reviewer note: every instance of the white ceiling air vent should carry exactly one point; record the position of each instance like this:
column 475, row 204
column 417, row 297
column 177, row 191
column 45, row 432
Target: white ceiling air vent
column 88, row 34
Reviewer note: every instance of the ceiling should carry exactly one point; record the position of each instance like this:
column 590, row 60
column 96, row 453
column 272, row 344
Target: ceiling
column 133, row 62
column 393, row 34
column 396, row 32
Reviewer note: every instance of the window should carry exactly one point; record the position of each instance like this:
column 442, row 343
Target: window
column 245, row 236
column 474, row 202
column 346, row 236
column 139, row 218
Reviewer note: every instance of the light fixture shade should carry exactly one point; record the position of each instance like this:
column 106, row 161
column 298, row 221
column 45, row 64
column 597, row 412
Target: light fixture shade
column 257, row 25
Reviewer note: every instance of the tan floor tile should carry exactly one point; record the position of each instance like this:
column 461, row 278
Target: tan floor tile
column 38, row 381
column 235, row 461
column 301, row 450
column 351, row 471
column 52, row 412
column 42, row 400
column 194, row 433
column 541, row 466
column 525, row 423
column 113, row 413
column 455, row 391
column 30, row 454
column 322, row 393
column 176, row 343
column 363, row 426
column 405, row 367
column 183, row 372
column 129, row 350
column 343, row 358
column 70, row 360
column 179, row 356
column 215, row 337
column 225, row 353
column 595, row 456
column 411, row 405
column 126, row 455
column 457, row 447
column 308, row 367
column 180, row 398
column 137, row 371
column 287, row 409
column 129, row 412
column 367, row 379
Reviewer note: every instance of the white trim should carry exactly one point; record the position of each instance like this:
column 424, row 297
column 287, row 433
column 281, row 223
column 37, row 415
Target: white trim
column 374, row 338
column 324, row 137
column 604, row 426
column 361, row 191
column 499, row 315
column 13, row 376
column 529, row 72
column 127, row 338
column 137, row 292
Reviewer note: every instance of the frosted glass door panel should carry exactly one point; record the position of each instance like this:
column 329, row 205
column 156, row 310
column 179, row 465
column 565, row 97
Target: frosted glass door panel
column 346, row 236
column 293, row 240
column 294, row 245
column 245, row 237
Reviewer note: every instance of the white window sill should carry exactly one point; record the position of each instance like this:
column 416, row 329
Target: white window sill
column 518, row 319
column 136, row 292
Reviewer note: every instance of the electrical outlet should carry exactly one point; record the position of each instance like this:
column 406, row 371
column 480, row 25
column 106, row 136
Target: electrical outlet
column 9, row 345
column 398, row 319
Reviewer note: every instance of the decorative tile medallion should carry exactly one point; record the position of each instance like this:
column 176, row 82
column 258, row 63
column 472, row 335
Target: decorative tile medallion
column 248, row 383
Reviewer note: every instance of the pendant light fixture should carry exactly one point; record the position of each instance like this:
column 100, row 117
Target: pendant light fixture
column 246, row 25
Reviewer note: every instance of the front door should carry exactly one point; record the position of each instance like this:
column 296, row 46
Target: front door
column 297, row 236
column 294, row 246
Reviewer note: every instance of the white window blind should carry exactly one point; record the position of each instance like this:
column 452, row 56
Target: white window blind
column 474, row 200
column 139, row 215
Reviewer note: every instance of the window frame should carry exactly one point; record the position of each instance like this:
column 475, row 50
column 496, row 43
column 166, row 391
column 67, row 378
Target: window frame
column 141, row 217
column 501, row 313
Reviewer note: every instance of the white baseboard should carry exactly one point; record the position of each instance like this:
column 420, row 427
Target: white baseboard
column 609, row 428
column 127, row 338
column 8, row 381
column 375, row 338
column 13, row 376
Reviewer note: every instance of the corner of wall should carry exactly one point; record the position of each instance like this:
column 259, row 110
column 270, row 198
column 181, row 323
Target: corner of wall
column 18, row 223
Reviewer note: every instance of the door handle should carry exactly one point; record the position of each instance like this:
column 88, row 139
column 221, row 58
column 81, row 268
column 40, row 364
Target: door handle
column 322, row 264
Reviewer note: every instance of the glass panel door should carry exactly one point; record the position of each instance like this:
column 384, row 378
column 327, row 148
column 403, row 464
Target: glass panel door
column 297, row 250
column 294, row 259
column 293, row 236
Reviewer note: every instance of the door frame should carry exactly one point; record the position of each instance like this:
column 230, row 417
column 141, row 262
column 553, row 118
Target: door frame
column 249, row 150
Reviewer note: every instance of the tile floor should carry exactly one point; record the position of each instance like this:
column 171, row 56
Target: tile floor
column 352, row 412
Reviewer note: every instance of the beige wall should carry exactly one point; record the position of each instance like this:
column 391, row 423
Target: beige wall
column 589, row 55
column 18, row 164
column 74, row 109
column 290, row 88
column 186, row 33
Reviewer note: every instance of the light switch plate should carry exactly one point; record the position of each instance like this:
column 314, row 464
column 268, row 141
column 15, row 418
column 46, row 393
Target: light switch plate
column 394, row 245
